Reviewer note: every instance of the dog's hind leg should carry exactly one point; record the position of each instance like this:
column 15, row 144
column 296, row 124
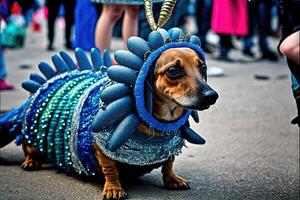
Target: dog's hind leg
column 112, row 188
column 32, row 158
column 171, row 180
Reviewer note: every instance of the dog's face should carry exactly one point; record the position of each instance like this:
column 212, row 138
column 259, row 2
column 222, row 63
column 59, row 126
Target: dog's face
column 180, row 75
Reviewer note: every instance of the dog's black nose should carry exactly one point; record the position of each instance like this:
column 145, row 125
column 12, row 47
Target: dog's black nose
column 210, row 97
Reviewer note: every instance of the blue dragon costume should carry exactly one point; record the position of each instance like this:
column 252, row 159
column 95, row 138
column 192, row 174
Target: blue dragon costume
column 72, row 107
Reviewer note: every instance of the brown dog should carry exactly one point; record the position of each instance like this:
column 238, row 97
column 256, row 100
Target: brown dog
column 180, row 83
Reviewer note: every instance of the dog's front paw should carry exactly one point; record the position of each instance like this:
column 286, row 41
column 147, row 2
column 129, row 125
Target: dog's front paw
column 30, row 164
column 113, row 192
column 175, row 182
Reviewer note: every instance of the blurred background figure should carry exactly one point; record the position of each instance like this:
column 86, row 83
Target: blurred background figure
column 3, row 72
column 28, row 8
column 111, row 12
column 53, row 11
column 259, row 22
column 85, row 24
column 203, row 20
column 290, row 45
column 229, row 17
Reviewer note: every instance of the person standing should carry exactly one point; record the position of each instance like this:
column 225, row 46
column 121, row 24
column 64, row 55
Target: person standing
column 289, row 45
column 53, row 10
column 3, row 72
column 111, row 12
column 259, row 15
column 203, row 21
column 229, row 17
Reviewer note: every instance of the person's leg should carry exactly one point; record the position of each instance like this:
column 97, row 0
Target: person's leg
column 247, row 44
column 109, row 16
column 69, row 6
column 248, row 40
column 201, row 24
column 264, row 26
column 203, row 18
column 53, row 8
column 225, row 45
column 130, row 22
column 296, row 92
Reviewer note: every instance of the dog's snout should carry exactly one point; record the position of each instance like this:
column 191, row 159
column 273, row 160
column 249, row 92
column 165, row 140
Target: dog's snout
column 211, row 96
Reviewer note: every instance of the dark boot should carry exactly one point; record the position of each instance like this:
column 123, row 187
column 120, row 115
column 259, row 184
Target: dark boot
column 296, row 120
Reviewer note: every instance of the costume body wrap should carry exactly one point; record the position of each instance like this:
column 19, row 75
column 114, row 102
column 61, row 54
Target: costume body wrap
column 79, row 106
column 57, row 121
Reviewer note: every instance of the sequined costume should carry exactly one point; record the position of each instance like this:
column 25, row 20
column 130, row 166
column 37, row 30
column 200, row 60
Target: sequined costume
column 77, row 107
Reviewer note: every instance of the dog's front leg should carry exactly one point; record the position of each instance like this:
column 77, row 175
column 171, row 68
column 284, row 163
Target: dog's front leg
column 112, row 188
column 171, row 180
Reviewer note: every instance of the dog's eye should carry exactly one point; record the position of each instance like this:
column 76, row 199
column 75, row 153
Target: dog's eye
column 174, row 72
column 203, row 68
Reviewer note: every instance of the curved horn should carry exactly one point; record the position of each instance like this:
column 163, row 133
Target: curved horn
column 149, row 15
column 166, row 12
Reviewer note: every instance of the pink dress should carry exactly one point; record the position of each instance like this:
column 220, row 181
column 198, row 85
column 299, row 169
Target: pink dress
column 230, row 17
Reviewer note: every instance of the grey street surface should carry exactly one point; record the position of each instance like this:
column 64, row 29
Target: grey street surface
column 252, row 150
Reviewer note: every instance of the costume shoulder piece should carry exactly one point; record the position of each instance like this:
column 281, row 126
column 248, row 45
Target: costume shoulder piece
column 74, row 105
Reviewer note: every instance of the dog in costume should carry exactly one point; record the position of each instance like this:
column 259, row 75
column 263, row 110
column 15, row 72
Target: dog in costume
column 90, row 119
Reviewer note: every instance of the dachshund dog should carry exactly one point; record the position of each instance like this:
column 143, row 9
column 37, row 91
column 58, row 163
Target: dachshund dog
column 68, row 121
column 180, row 83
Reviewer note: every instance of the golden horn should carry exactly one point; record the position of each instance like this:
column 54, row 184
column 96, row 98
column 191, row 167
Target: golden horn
column 149, row 14
column 166, row 12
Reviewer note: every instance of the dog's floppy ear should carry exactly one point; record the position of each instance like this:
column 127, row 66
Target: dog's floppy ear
column 149, row 90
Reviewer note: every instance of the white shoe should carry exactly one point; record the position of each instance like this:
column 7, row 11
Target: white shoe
column 215, row 71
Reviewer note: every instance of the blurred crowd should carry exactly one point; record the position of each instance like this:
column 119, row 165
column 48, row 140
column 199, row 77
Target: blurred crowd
column 90, row 23
column 87, row 20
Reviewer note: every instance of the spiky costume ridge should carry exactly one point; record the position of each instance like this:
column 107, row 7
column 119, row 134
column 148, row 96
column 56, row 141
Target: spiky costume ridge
column 75, row 107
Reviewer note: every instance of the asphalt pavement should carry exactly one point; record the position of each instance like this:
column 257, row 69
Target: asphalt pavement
column 251, row 150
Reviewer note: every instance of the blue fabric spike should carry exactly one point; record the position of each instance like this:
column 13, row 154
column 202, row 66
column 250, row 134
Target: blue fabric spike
column 138, row 46
column 96, row 58
column 195, row 116
column 46, row 69
column 123, row 131
column 38, row 78
column 114, row 112
column 68, row 60
column 60, row 65
column 122, row 74
column 191, row 136
column 114, row 92
column 106, row 58
column 155, row 40
column 175, row 33
column 164, row 33
column 82, row 59
column 195, row 40
column 128, row 59
column 31, row 86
